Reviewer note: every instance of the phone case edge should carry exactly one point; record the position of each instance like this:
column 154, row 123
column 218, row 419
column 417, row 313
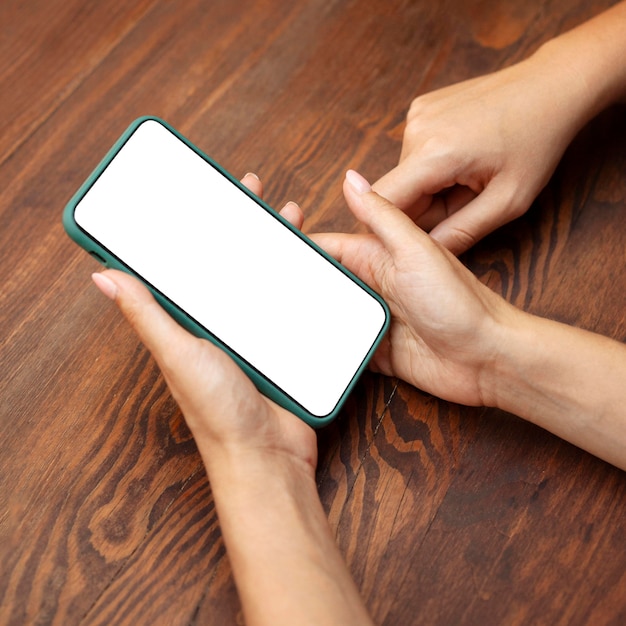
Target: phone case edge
column 261, row 382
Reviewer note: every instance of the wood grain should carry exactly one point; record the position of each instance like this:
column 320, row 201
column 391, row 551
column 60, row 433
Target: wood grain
column 445, row 514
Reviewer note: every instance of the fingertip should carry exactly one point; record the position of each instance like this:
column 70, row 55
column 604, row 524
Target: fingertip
column 128, row 292
column 253, row 183
column 105, row 285
column 293, row 214
column 357, row 182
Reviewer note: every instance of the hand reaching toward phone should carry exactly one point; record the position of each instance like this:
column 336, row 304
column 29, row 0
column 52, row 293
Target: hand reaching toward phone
column 476, row 154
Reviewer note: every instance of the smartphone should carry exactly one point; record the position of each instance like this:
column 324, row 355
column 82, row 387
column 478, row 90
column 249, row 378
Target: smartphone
column 229, row 268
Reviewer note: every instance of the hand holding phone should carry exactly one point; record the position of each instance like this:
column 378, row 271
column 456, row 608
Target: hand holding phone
column 229, row 269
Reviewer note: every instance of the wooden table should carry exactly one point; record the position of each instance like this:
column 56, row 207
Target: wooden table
column 445, row 515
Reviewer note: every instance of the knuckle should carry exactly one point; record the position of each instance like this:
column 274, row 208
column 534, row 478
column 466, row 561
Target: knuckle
column 513, row 199
column 462, row 239
column 417, row 107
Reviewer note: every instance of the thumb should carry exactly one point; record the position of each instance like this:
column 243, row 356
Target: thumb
column 156, row 329
column 392, row 226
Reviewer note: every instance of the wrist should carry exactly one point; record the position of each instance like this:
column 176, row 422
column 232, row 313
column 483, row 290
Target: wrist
column 259, row 495
column 537, row 374
column 566, row 380
column 588, row 63
column 237, row 467
column 274, row 441
column 574, row 98
column 508, row 336
column 283, row 554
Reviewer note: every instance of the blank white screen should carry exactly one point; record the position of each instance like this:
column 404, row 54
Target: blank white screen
column 232, row 266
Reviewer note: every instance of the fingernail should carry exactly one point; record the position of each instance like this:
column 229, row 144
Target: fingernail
column 105, row 285
column 357, row 182
column 252, row 174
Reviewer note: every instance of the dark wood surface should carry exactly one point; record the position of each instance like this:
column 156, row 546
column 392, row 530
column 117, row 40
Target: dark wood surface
column 445, row 515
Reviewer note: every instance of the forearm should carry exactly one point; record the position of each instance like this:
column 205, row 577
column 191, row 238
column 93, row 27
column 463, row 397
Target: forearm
column 592, row 55
column 566, row 380
column 286, row 564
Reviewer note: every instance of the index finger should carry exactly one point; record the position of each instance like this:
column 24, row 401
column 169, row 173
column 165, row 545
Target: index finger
column 411, row 185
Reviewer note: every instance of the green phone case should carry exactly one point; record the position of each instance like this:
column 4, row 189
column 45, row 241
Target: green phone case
column 264, row 385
